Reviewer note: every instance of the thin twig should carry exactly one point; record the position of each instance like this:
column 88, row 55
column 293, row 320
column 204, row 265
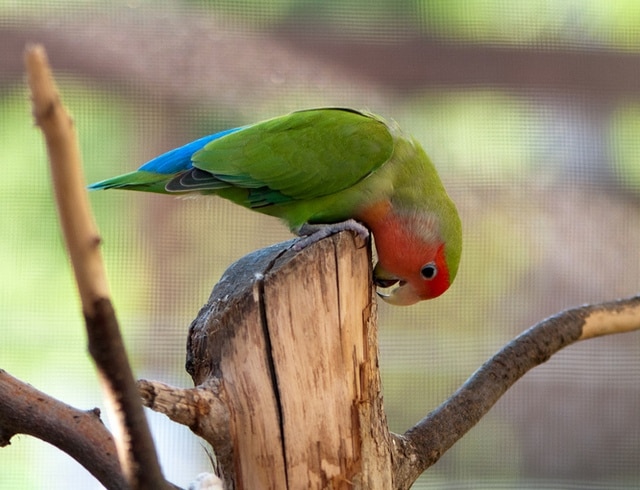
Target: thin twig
column 80, row 231
column 134, row 443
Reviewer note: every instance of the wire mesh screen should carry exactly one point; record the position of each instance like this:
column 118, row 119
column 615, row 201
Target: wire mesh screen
column 529, row 110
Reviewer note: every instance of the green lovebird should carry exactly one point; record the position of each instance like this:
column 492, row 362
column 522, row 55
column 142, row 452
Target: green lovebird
column 322, row 171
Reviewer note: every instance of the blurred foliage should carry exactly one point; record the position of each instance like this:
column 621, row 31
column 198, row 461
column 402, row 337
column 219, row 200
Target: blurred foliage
column 38, row 286
column 479, row 134
column 548, row 22
column 540, row 22
column 22, row 147
column 625, row 146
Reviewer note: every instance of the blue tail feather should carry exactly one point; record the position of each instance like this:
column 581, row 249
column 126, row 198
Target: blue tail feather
column 179, row 159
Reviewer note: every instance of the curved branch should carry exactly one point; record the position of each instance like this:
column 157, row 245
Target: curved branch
column 424, row 444
column 80, row 434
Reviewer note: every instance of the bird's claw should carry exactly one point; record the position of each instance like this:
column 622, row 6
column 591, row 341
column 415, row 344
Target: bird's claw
column 311, row 234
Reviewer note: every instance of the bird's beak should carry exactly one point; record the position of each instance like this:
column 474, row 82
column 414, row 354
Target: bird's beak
column 394, row 291
column 401, row 295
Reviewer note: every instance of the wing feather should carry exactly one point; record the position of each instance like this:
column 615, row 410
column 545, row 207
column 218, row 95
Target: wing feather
column 302, row 155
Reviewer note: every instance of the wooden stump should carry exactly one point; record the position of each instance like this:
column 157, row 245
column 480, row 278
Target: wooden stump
column 288, row 341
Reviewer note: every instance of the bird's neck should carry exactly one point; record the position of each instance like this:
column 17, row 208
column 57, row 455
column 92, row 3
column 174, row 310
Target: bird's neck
column 396, row 234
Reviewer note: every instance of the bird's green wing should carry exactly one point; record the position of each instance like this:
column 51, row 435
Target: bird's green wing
column 301, row 155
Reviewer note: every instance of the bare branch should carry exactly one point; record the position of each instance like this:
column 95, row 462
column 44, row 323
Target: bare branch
column 80, row 231
column 80, row 434
column 202, row 408
column 135, row 447
column 424, row 444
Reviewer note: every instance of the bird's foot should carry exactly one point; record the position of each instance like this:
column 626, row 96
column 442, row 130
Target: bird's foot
column 311, row 234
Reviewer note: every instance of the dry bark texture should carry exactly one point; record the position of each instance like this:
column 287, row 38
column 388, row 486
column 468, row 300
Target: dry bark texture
column 295, row 353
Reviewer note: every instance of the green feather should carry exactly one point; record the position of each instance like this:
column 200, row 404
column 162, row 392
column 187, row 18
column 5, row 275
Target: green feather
column 303, row 155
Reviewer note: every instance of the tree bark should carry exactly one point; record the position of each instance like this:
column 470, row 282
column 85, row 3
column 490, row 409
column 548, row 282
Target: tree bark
column 79, row 433
column 295, row 353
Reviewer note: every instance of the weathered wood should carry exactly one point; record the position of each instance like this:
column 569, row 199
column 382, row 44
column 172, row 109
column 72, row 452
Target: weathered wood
column 292, row 339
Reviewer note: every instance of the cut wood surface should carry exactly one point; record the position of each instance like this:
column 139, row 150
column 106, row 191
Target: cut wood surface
column 297, row 355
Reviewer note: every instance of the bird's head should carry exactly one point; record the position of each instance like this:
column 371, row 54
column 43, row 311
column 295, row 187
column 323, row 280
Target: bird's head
column 423, row 277
column 418, row 257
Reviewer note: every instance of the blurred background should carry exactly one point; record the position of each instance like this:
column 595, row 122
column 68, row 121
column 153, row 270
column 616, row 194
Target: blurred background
column 531, row 112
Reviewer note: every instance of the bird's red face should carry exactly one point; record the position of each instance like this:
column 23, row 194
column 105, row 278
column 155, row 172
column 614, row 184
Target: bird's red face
column 411, row 256
column 416, row 278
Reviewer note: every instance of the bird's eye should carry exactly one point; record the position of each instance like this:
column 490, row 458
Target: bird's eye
column 429, row 271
